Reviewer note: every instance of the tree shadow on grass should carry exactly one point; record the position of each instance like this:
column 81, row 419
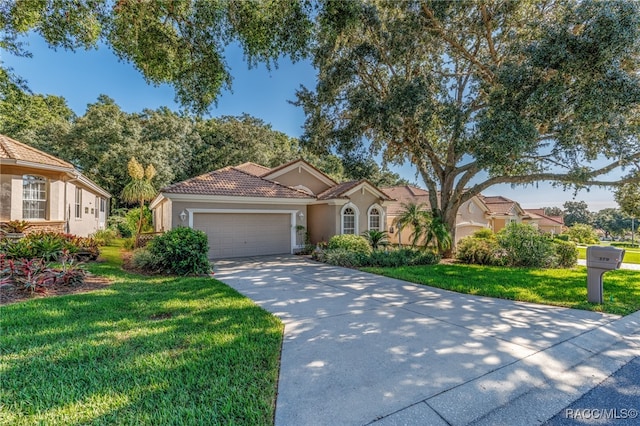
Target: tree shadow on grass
column 155, row 351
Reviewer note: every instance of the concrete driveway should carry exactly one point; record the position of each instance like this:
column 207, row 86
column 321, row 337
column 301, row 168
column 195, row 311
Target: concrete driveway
column 361, row 349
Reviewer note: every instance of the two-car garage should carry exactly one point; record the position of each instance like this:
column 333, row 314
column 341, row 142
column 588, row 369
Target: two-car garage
column 240, row 234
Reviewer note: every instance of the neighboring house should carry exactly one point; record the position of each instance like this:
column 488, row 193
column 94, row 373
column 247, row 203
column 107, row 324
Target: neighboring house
column 493, row 212
column 48, row 192
column 472, row 215
column 251, row 210
column 545, row 223
column 503, row 211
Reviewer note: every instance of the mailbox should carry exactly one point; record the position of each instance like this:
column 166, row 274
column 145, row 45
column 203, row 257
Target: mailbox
column 599, row 261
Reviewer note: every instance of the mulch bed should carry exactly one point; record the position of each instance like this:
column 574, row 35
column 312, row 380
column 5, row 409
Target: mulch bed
column 91, row 283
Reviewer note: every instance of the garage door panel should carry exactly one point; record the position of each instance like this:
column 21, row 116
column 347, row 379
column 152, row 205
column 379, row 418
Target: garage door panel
column 245, row 234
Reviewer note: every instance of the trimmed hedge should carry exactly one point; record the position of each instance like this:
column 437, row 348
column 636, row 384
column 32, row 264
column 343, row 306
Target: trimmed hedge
column 378, row 258
column 350, row 242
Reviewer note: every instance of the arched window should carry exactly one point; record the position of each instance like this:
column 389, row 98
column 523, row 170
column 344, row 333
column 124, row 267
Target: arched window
column 349, row 219
column 374, row 219
column 34, row 197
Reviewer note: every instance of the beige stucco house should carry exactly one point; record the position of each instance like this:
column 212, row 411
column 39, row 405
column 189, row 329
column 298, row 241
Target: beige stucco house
column 48, row 192
column 549, row 224
column 250, row 210
column 472, row 215
column 490, row 212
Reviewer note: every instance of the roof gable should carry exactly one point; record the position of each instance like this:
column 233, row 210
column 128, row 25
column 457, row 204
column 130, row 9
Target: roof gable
column 292, row 165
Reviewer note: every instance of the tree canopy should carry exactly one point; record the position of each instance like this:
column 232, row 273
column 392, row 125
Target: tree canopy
column 177, row 42
column 479, row 93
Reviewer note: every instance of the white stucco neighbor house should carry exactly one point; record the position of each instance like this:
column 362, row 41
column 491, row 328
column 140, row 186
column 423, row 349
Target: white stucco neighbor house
column 48, row 192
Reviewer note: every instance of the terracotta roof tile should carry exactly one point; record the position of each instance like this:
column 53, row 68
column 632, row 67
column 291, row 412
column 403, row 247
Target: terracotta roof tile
column 500, row 205
column 253, row 168
column 13, row 150
column 545, row 219
column 405, row 194
column 233, row 182
column 338, row 190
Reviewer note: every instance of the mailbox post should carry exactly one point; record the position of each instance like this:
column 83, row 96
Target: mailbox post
column 599, row 261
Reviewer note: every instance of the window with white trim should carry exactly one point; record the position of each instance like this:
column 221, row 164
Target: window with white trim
column 78, row 203
column 374, row 219
column 34, row 197
column 348, row 221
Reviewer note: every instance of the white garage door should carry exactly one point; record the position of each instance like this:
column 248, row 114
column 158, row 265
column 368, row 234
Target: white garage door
column 245, row 234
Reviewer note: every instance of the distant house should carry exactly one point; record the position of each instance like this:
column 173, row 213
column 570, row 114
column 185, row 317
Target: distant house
column 250, row 210
column 48, row 192
column 545, row 223
column 472, row 215
column 489, row 212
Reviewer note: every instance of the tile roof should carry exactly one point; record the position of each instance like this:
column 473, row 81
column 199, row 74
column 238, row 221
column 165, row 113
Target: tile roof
column 500, row 205
column 545, row 219
column 231, row 181
column 300, row 160
column 338, row 190
column 253, row 168
column 11, row 149
column 405, row 194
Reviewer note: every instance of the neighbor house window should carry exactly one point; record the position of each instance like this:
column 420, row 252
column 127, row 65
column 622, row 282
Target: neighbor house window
column 78, row 203
column 349, row 219
column 374, row 219
column 34, row 197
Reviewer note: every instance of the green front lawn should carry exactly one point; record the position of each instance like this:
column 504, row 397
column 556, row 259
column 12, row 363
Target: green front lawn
column 561, row 287
column 161, row 350
column 630, row 255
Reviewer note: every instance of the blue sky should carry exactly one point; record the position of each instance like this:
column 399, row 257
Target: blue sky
column 80, row 77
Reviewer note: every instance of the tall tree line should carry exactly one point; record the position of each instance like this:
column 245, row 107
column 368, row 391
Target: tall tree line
column 180, row 146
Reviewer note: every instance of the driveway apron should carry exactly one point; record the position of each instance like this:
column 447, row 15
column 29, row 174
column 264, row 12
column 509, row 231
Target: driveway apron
column 361, row 349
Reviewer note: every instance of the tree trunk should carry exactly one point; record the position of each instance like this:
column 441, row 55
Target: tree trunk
column 137, row 241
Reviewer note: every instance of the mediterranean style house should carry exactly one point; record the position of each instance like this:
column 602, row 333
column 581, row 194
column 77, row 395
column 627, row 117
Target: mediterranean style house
column 490, row 212
column 48, row 192
column 250, row 210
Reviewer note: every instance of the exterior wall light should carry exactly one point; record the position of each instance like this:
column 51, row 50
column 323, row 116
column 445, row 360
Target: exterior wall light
column 183, row 215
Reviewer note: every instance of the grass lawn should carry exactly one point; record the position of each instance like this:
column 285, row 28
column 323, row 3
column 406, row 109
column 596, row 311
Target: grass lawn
column 160, row 350
column 630, row 255
column 561, row 287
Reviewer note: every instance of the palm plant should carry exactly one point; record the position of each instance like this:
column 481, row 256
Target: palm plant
column 139, row 189
column 416, row 216
column 376, row 238
column 437, row 234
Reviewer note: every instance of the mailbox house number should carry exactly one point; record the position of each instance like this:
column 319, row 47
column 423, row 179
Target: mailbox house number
column 603, row 259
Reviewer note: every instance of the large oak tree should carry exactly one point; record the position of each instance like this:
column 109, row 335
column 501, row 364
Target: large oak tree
column 180, row 42
column 480, row 93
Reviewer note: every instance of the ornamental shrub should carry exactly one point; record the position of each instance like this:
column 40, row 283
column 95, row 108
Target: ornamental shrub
column 485, row 234
column 583, row 234
column 344, row 257
column 566, row 254
column 144, row 260
column 525, row 246
column 478, row 250
column 181, row 251
column 351, row 242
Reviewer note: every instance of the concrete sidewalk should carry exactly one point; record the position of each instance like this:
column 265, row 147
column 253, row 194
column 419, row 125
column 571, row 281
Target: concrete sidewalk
column 361, row 349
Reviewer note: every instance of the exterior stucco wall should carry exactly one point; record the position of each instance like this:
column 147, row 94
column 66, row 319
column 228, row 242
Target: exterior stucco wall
column 300, row 176
column 323, row 222
column 173, row 209
column 363, row 199
column 58, row 207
